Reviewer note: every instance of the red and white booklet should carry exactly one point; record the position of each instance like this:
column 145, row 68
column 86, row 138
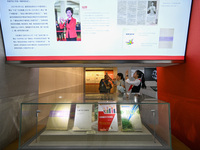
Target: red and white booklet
column 107, row 117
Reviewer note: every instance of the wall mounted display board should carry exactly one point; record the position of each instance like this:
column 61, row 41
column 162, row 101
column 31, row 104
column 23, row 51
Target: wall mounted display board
column 106, row 30
column 150, row 74
column 94, row 76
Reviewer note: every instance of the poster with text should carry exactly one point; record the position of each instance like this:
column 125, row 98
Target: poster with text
column 94, row 29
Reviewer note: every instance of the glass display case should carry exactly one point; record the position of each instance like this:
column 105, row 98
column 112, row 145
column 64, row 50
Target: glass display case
column 103, row 124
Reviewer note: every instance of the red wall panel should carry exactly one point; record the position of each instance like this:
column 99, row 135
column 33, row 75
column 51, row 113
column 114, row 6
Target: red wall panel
column 180, row 86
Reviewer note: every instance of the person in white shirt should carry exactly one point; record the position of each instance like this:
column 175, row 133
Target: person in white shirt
column 138, row 82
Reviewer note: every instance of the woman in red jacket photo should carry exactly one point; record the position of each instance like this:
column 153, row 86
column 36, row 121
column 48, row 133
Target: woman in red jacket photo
column 70, row 25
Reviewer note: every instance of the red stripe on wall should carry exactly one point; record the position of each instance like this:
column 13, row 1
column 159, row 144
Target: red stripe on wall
column 30, row 58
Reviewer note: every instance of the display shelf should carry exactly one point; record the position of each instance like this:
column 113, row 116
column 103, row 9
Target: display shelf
column 153, row 119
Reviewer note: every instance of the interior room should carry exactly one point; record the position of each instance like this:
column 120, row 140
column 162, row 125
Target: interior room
column 118, row 74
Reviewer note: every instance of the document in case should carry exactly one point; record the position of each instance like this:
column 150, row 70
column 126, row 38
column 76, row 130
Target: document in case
column 83, row 117
column 130, row 116
column 59, row 117
column 107, row 117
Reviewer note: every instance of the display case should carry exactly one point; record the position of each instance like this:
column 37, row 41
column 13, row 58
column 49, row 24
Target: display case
column 103, row 124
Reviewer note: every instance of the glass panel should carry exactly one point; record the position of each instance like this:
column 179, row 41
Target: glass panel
column 126, row 123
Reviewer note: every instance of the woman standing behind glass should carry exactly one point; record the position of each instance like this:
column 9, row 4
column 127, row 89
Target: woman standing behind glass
column 119, row 83
column 70, row 25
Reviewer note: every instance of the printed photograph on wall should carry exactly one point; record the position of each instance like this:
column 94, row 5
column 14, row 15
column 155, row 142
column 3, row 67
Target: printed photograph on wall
column 67, row 20
column 152, row 13
column 150, row 74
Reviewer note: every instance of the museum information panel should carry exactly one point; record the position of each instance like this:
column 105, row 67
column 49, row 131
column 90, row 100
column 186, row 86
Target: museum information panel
column 106, row 30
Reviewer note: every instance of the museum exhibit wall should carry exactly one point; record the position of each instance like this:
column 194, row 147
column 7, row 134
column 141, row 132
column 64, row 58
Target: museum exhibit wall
column 180, row 86
column 17, row 84
column 93, row 78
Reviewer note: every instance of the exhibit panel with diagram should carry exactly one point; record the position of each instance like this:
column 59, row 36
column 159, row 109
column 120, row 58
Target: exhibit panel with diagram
column 99, row 125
